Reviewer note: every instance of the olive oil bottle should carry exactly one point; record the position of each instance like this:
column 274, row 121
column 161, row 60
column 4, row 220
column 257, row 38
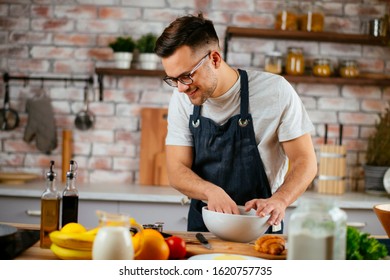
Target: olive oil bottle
column 50, row 208
column 70, row 197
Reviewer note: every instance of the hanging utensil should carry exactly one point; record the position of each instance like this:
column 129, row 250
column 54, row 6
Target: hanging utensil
column 9, row 118
column 85, row 119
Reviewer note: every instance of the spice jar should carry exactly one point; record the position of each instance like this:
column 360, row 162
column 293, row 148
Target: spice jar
column 295, row 62
column 349, row 69
column 317, row 231
column 287, row 16
column 313, row 18
column 322, row 67
column 273, row 62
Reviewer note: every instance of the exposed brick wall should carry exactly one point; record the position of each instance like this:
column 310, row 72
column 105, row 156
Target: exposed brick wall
column 70, row 38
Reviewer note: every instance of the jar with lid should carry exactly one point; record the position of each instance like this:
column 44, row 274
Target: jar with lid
column 322, row 67
column 273, row 62
column 317, row 231
column 295, row 61
column 349, row 69
column 313, row 18
column 287, row 16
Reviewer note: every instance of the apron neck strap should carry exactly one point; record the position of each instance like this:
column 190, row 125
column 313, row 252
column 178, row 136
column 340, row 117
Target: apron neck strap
column 244, row 104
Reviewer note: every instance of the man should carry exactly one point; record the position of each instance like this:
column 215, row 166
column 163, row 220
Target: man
column 232, row 134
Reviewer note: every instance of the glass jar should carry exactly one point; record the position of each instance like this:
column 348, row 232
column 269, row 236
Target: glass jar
column 313, row 18
column 273, row 62
column 349, row 69
column 295, row 61
column 113, row 240
column 322, row 67
column 317, row 231
column 287, row 17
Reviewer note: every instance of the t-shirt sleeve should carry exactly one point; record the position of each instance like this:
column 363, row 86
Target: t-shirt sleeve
column 295, row 121
column 179, row 112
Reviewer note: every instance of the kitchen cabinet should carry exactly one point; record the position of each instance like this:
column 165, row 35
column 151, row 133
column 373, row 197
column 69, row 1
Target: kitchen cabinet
column 27, row 210
column 365, row 79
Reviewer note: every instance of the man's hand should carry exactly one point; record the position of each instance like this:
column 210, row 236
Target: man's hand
column 218, row 200
column 273, row 206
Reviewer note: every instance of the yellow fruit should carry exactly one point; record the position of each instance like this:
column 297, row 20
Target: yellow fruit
column 73, row 228
column 70, row 254
column 78, row 241
column 154, row 246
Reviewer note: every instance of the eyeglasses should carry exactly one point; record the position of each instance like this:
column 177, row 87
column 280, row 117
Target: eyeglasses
column 187, row 78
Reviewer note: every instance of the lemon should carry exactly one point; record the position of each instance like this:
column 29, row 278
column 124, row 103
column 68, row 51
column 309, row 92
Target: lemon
column 73, row 228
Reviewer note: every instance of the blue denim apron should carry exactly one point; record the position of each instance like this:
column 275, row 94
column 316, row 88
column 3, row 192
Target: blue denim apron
column 227, row 156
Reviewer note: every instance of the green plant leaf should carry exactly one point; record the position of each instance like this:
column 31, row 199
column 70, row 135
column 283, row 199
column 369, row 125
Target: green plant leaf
column 147, row 43
column 378, row 149
column 123, row 44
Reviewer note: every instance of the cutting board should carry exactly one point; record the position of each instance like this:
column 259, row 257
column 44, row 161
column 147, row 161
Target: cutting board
column 152, row 154
column 220, row 246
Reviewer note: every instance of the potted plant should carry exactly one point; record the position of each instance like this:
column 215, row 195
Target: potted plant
column 147, row 57
column 378, row 155
column 123, row 48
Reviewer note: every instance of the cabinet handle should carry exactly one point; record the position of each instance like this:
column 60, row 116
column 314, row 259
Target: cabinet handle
column 33, row 213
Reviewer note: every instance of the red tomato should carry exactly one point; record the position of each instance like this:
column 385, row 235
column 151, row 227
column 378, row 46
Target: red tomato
column 177, row 247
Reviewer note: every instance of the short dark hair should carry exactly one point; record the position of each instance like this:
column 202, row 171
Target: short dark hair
column 192, row 31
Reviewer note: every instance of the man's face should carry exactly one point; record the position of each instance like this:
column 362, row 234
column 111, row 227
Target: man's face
column 192, row 73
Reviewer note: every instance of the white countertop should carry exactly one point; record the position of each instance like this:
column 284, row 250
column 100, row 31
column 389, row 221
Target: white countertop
column 163, row 194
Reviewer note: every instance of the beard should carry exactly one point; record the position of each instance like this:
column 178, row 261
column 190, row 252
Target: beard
column 206, row 90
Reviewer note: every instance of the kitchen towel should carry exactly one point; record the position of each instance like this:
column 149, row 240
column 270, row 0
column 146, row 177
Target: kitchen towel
column 41, row 124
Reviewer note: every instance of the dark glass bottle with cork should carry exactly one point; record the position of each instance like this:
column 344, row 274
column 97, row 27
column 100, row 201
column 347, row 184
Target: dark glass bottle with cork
column 50, row 208
column 70, row 197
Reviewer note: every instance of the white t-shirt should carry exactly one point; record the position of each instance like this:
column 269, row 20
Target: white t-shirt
column 277, row 112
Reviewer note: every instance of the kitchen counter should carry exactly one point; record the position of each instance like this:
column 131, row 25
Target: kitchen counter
column 192, row 245
column 163, row 194
column 101, row 191
column 150, row 204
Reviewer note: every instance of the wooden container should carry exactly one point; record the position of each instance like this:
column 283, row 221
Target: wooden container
column 332, row 169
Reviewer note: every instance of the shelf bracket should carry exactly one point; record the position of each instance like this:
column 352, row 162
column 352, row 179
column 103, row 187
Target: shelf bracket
column 101, row 86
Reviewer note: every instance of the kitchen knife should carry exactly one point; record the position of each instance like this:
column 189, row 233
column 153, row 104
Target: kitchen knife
column 203, row 240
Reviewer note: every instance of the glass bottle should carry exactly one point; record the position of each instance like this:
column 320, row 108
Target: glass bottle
column 287, row 16
column 313, row 18
column 295, row 61
column 317, row 231
column 70, row 196
column 50, row 208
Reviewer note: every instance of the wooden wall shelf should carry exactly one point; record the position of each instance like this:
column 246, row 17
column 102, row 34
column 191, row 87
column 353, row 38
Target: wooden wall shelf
column 306, row 36
column 366, row 79
column 363, row 80
column 123, row 72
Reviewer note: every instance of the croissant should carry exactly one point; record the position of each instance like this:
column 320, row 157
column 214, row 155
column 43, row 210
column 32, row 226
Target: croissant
column 270, row 244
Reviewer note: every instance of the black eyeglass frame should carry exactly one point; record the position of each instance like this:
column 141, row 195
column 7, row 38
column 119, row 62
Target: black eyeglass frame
column 173, row 82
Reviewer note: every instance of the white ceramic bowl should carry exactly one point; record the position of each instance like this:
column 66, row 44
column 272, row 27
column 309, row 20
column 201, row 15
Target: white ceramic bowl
column 243, row 228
